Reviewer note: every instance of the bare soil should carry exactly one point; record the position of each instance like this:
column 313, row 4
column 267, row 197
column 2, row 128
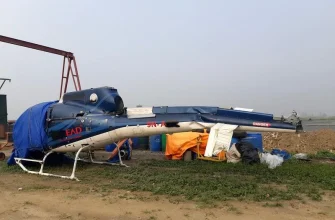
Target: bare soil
column 26, row 196
column 307, row 142
column 34, row 197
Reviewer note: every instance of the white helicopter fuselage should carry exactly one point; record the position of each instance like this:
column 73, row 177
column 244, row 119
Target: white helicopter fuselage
column 99, row 142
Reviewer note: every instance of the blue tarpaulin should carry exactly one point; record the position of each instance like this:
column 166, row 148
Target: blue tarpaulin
column 29, row 132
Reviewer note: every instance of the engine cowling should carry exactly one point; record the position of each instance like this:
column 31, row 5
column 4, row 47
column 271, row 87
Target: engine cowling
column 103, row 100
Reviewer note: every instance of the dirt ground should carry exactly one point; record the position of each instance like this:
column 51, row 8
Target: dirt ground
column 34, row 197
column 30, row 197
column 307, row 142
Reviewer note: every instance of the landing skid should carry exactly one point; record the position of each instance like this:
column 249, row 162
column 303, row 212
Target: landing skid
column 91, row 160
column 72, row 177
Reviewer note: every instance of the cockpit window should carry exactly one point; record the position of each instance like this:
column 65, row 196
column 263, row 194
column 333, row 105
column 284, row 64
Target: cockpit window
column 74, row 96
column 119, row 105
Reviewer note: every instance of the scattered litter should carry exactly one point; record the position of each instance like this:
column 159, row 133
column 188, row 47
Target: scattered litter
column 272, row 161
column 233, row 156
column 219, row 139
column 282, row 153
column 249, row 153
column 301, row 156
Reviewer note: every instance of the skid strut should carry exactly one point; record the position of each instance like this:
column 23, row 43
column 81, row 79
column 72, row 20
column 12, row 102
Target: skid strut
column 72, row 177
column 91, row 160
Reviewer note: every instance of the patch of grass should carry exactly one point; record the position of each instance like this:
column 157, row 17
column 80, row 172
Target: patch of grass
column 277, row 204
column 324, row 154
column 207, row 182
column 151, row 211
column 12, row 169
column 142, row 198
column 234, row 209
column 199, row 180
column 315, row 196
column 210, row 204
column 65, row 216
column 322, row 213
column 28, row 203
column 210, row 214
column 122, row 196
column 175, row 200
column 72, row 197
column 147, row 212
column 36, row 187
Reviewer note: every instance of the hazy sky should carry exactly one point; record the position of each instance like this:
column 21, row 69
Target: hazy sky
column 272, row 56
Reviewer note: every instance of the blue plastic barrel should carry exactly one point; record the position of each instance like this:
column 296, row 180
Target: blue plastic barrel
column 194, row 155
column 143, row 143
column 234, row 140
column 255, row 139
column 136, row 142
column 155, row 143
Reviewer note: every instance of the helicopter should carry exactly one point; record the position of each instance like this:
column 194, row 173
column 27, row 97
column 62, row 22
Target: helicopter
column 90, row 119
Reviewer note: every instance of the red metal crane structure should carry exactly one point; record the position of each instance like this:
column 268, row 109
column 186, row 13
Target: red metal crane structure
column 68, row 58
column 3, row 82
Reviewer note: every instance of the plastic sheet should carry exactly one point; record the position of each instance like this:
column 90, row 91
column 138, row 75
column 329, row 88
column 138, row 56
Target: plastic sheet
column 233, row 156
column 178, row 143
column 219, row 139
column 29, row 135
column 282, row 153
column 301, row 156
column 249, row 154
column 272, row 161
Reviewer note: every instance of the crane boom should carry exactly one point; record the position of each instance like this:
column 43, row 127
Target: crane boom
column 67, row 56
column 30, row 45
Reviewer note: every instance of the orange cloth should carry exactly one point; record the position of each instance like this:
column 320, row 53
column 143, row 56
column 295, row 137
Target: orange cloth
column 177, row 144
column 222, row 155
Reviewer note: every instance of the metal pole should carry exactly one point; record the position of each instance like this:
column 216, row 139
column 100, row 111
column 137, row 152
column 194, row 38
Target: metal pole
column 67, row 74
column 61, row 85
column 4, row 80
column 77, row 74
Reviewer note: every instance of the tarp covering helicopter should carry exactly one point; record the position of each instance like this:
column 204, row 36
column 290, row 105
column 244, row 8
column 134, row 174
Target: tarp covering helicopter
column 90, row 119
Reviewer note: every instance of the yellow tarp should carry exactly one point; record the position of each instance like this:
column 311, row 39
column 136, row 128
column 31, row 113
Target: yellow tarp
column 177, row 144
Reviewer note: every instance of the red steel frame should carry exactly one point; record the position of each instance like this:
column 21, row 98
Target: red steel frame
column 68, row 56
column 75, row 75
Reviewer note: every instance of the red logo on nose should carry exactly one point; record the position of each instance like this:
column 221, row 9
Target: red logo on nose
column 76, row 130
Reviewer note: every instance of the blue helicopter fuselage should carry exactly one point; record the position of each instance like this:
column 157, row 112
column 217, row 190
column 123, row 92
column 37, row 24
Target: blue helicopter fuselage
column 87, row 114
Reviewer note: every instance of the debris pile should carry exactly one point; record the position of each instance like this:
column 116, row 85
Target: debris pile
column 272, row 149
